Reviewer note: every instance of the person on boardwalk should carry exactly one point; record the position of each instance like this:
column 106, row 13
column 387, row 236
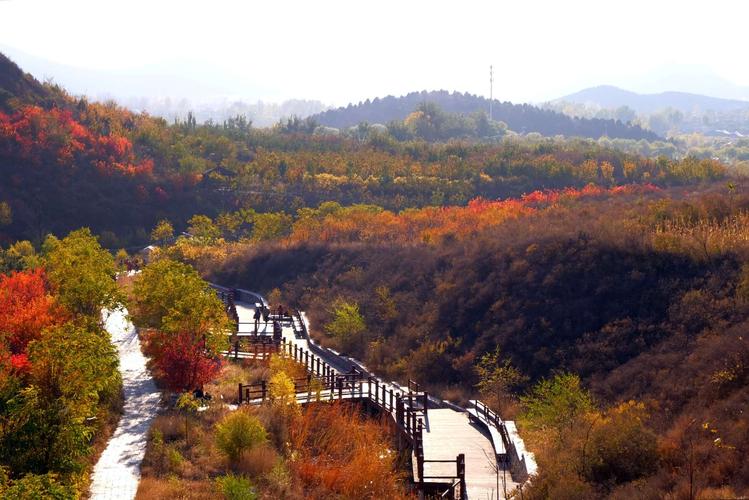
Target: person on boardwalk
column 277, row 331
column 256, row 316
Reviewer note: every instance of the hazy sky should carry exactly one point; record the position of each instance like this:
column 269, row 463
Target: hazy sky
column 341, row 51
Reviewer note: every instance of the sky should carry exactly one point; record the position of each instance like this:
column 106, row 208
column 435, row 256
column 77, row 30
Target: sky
column 346, row 51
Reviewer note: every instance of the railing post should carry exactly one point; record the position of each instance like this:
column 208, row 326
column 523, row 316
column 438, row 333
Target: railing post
column 398, row 410
column 236, row 349
column 240, row 393
column 426, row 403
column 461, row 466
column 340, row 388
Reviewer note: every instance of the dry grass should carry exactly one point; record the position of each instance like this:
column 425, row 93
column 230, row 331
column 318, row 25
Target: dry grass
column 341, row 453
column 171, row 426
column 151, row 488
column 225, row 387
column 257, row 462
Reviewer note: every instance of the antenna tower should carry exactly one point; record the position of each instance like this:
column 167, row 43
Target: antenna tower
column 491, row 91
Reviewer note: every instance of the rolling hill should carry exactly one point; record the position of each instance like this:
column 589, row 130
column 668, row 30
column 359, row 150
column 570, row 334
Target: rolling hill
column 524, row 118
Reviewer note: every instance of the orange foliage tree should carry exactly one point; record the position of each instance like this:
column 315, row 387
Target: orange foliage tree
column 26, row 307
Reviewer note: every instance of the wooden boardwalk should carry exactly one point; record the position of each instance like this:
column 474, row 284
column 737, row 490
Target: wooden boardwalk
column 439, row 435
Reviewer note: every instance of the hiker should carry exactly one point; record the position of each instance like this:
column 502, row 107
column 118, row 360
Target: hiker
column 266, row 314
column 277, row 332
column 256, row 316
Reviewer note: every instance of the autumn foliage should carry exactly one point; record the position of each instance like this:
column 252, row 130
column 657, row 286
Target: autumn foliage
column 183, row 364
column 359, row 465
column 364, row 223
column 26, row 308
column 35, row 135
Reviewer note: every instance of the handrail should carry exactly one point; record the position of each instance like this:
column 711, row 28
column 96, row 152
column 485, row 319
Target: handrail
column 407, row 408
column 492, row 418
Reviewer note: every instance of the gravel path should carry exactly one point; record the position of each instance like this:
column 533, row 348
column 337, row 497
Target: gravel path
column 117, row 473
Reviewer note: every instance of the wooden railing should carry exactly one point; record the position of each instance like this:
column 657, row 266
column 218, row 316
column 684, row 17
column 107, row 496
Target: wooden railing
column 255, row 347
column 407, row 409
column 492, row 418
column 457, row 483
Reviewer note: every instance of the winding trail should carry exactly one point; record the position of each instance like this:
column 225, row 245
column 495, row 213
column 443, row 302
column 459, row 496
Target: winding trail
column 117, row 473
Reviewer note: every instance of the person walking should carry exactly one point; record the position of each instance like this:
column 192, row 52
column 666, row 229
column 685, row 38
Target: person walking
column 277, row 331
column 256, row 316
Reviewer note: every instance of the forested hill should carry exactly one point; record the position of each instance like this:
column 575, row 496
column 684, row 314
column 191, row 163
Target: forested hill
column 518, row 117
column 18, row 87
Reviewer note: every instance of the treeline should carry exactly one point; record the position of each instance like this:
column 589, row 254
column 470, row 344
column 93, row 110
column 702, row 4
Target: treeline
column 523, row 118
column 643, row 296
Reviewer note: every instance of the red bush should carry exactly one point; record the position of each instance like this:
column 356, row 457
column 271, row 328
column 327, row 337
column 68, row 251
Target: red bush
column 183, row 363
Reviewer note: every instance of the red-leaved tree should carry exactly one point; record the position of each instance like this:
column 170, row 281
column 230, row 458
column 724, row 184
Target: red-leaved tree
column 184, row 364
column 26, row 308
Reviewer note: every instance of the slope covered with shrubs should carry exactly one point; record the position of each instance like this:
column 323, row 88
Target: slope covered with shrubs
column 641, row 295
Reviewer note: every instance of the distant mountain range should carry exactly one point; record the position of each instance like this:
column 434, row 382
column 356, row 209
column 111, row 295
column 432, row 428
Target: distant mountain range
column 522, row 118
column 610, row 97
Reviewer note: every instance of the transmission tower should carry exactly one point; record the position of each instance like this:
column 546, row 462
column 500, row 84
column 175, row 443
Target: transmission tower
column 491, row 91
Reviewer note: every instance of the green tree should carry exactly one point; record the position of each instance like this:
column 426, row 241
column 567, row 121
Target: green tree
column 82, row 272
column 347, row 325
column 172, row 297
column 203, row 230
column 556, row 404
column 498, row 379
column 49, row 423
column 20, row 255
column 272, row 225
column 239, row 432
column 162, row 232
column 39, row 487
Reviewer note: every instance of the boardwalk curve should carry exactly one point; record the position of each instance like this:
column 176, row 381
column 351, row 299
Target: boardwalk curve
column 449, row 443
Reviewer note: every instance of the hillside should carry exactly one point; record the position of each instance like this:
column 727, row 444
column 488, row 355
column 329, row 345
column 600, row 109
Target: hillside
column 607, row 96
column 522, row 118
column 622, row 289
column 17, row 87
